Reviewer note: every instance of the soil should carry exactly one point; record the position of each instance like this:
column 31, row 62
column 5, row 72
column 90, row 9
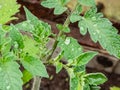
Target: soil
column 60, row 81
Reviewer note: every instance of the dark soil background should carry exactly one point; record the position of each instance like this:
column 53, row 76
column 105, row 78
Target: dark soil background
column 60, row 81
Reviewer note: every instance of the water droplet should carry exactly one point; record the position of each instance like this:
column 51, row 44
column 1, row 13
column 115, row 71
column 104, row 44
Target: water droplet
column 94, row 33
column 72, row 49
column 8, row 87
column 81, row 28
column 67, row 41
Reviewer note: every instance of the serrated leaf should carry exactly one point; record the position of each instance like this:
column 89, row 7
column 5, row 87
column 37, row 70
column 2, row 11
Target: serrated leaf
column 27, row 76
column 87, row 2
column 68, row 46
column 75, row 16
column 34, row 66
column 95, row 78
column 84, row 58
column 40, row 30
column 101, row 30
column 16, row 36
column 59, row 10
column 10, row 76
column 7, row 9
column 59, row 5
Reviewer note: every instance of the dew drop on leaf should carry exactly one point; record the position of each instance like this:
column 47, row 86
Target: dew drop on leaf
column 67, row 41
column 94, row 33
column 8, row 87
column 81, row 28
column 72, row 49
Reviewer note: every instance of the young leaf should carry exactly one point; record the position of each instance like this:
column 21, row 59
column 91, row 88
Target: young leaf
column 87, row 2
column 76, row 14
column 5, row 48
column 34, row 66
column 16, row 36
column 59, row 5
column 65, row 29
column 27, row 76
column 10, row 76
column 84, row 58
column 68, row 46
column 7, row 9
column 39, row 29
column 74, row 83
column 59, row 66
column 101, row 30
column 80, row 68
column 31, row 47
column 95, row 78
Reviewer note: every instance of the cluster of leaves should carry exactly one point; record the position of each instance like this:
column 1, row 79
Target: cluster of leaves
column 25, row 44
column 6, row 6
column 22, row 44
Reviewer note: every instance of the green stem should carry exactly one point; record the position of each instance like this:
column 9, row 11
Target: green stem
column 66, row 23
column 37, row 80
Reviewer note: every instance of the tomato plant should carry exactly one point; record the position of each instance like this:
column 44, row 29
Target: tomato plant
column 30, row 51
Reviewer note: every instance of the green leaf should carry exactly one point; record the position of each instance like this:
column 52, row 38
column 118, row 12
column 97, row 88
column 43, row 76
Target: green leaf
column 65, row 29
column 80, row 68
column 16, row 36
column 10, row 76
column 5, row 48
column 31, row 47
column 59, row 10
column 74, row 83
column 39, row 29
column 95, row 78
column 75, row 16
column 86, row 86
column 68, row 46
column 34, row 66
column 27, row 76
column 59, row 67
column 7, row 9
column 101, row 30
column 84, row 58
column 59, row 5
column 114, row 88
column 87, row 2
column 94, row 87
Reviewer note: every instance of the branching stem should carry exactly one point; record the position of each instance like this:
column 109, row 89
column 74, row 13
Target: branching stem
column 37, row 80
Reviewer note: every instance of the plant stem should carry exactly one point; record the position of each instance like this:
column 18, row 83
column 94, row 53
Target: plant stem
column 36, row 83
column 37, row 80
